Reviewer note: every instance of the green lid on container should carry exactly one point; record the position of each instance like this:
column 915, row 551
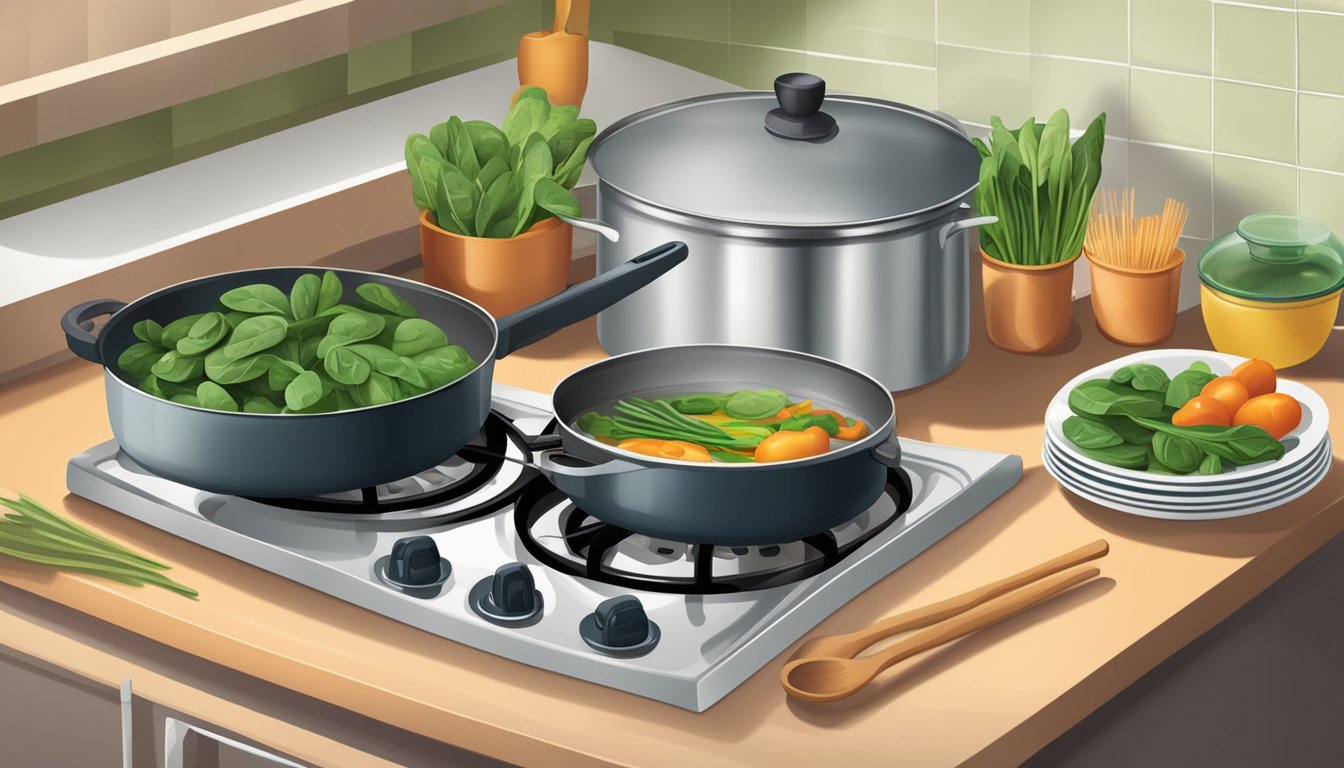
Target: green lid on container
column 1275, row 257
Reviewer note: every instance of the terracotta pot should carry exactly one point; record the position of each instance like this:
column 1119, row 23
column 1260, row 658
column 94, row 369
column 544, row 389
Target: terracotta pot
column 1027, row 309
column 1135, row 306
column 556, row 61
column 501, row 274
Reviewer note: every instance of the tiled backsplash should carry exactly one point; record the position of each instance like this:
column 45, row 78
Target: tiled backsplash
column 1229, row 107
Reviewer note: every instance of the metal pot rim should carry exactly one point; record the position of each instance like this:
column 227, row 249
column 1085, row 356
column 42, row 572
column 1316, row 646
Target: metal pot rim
column 876, row 436
column 747, row 228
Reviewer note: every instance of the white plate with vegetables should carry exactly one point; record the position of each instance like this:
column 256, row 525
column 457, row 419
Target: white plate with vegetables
column 1189, row 501
column 1186, row 418
column 1167, row 511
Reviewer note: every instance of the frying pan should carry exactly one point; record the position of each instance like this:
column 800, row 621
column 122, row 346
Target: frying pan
column 721, row 503
column 267, row 455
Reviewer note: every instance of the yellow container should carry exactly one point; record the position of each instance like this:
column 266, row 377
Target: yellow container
column 1283, row 333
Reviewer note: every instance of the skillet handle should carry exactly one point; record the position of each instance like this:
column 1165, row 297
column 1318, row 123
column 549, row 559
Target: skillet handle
column 585, row 299
column 581, row 470
column 76, row 323
column 888, row 453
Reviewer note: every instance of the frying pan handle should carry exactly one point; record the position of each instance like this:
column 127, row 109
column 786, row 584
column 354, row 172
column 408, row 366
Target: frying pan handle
column 888, row 453
column 78, row 326
column 550, row 467
column 585, row 299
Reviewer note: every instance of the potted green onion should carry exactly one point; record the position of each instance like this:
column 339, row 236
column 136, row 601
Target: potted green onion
column 1040, row 186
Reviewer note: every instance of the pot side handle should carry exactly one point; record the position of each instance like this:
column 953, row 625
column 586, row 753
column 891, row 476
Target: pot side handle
column 888, row 452
column 78, row 327
column 546, row 463
column 948, row 230
column 585, row 299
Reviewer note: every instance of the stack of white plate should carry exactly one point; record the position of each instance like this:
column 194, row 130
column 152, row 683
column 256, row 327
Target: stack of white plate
column 1239, row 491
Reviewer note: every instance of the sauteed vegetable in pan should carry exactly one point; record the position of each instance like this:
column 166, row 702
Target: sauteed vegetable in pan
column 737, row 427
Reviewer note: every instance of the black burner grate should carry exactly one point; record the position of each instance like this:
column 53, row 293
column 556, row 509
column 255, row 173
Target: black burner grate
column 497, row 432
column 589, row 541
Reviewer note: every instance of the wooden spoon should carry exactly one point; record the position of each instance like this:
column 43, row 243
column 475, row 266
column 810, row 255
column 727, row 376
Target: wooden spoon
column 847, row 645
column 829, row 678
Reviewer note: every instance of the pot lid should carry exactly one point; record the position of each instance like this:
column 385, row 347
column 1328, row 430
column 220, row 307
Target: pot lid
column 1275, row 257
column 789, row 158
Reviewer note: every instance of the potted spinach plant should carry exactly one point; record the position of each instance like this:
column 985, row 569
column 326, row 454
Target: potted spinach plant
column 1040, row 186
column 489, row 197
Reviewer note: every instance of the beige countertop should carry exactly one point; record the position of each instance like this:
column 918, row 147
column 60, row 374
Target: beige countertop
column 993, row 698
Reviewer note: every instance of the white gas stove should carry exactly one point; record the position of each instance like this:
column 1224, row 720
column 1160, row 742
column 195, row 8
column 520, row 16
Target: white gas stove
column 711, row 616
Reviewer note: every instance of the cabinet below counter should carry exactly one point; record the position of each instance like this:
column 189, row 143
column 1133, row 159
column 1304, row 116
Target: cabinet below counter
column 994, row 698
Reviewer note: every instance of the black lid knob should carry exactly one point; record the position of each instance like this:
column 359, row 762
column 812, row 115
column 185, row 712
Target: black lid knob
column 513, row 590
column 414, row 561
column 619, row 627
column 798, row 117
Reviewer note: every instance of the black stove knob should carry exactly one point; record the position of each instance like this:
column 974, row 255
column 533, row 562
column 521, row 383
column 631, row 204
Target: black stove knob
column 620, row 627
column 414, row 563
column 509, row 597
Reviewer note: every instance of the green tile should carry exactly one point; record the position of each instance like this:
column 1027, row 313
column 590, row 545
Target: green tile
column 379, row 63
column 1322, row 197
column 907, row 85
column 1000, row 24
column 1274, row 3
column 259, row 101
column 1255, row 44
column 1158, row 173
column 1242, row 187
column 691, row 19
column 83, row 185
column 778, row 23
column 1254, row 121
column 1320, row 55
column 757, row 68
column 63, row 161
column 1320, row 125
column 490, row 32
column 1168, row 108
column 885, row 30
column 1084, row 88
column 1093, row 29
column 1321, row 5
column 1172, row 34
column 710, row 57
column 974, row 84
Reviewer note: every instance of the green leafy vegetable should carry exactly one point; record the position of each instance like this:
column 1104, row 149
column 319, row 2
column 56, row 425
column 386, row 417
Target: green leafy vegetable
column 1097, row 398
column 698, row 403
column 212, row 395
column 148, row 330
column 305, row 296
column 415, row 336
column 1178, row 453
column 1086, row 433
column 1211, row 465
column 755, row 403
column 260, row 299
column 1147, row 378
column 1186, row 385
column 1244, row 444
column 139, row 359
column 204, row 334
column 1123, row 455
column 798, row 423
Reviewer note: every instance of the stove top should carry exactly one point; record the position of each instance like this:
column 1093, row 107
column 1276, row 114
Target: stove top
column 721, row 613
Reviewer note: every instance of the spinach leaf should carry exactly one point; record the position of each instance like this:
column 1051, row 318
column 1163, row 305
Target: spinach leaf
column 177, row 367
column 755, row 403
column 177, row 330
column 139, row 358
column 211, row 395
column 555, row 199
column 1186, row 385
column 1086, row 433
column 488, row 140
column 280, row 372
column 382, row 298
column 1123, row 455
column 1123, row 375
column 1211, row 465
column 186, row 399
column 148, row 330
column 443, row 365
column 345, row 367
column 415, row 336
column 304, row 296
column 729, row 457
column 494, row 200
column 377, row 389
column 1148, row 378
column 798, row 423
column 149, row 383
column 525, row 118
column 461, row 153
column 596, row 424
column 1096, row 398
column 303, row 391
column 1244, row 444
column 568, row 172
column 698, row 403
column 420, row 147
column 1200, row 365
column 491, row 170
column 253, row 335
column 387, row 362
column 223, row 370
column 259, row 299
column 1178, row 453
column 204, row 334
column 259, row 405
column 329, row 295
column 349, row 328
column 458, row 197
